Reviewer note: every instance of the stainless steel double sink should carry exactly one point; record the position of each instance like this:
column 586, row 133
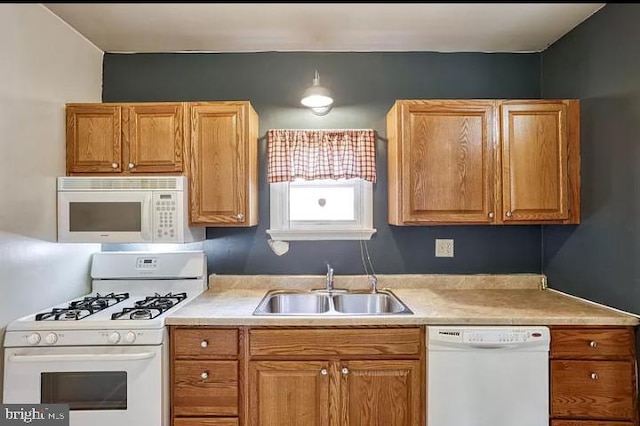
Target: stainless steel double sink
column 336, row 302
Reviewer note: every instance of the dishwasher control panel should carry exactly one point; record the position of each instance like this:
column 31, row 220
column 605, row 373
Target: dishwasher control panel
column 483, row 336
column 495, row 336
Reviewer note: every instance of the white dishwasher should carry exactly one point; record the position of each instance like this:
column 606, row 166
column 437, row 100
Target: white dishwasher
column 488, row 376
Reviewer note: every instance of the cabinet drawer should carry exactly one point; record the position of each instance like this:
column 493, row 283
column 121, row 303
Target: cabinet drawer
column 208, row 421
column 592, row 389
column 588, row 423
column 592, row 343
column 205, row 388
column 302, row 343
column 204, row 343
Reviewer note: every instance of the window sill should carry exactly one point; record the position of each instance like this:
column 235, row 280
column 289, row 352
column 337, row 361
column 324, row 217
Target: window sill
column 318, row 235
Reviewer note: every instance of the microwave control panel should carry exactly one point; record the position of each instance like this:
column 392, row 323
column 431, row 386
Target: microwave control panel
column 164, row 211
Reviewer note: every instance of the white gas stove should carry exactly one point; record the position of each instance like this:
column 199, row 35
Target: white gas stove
column 106, row 353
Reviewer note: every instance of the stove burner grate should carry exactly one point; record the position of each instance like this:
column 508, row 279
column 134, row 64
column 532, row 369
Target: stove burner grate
column 79, row 309
column 150, row 307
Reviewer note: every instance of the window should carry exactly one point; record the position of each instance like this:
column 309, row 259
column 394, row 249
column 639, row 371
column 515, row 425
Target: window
column 322, row 210
column 321, row 184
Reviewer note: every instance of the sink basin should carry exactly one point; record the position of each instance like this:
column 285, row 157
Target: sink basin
column 280, row 302
column 293, row 304
column 368, row 303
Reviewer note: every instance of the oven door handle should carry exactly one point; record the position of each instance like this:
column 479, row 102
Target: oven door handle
column 82, row 357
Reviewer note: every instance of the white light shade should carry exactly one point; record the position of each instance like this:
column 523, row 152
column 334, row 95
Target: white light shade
column 316, row 96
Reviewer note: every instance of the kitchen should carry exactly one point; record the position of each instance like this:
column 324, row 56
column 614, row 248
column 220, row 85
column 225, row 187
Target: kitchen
column 594, row 63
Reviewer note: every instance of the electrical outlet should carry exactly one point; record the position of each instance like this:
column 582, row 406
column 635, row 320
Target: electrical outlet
column 444, row 248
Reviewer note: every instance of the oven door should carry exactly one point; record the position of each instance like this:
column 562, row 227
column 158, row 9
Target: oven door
column 105, row 217
column 104, row 386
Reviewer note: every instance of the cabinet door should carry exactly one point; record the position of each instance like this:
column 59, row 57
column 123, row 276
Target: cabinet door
column 447, row 161
column 94, row 142
column 380, row 393
column 285, row 393
column 222, row 168
column 155, row 138
column 535, row 161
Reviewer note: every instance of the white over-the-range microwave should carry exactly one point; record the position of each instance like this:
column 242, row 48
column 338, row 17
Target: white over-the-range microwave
column 146, row 209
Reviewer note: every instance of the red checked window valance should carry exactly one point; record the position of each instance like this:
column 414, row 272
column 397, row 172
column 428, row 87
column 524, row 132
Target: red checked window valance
column 321, row 154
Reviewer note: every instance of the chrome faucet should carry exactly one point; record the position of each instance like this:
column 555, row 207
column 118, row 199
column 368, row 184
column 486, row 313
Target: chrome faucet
column 329, row 278
column 374, row 284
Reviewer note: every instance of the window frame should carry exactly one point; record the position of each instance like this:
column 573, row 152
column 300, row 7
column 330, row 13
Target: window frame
column 282, row 228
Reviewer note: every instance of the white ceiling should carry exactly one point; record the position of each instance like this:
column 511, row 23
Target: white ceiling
column 216, row 27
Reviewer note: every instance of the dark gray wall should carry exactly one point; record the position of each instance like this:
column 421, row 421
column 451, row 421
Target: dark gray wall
column 599, row 62
column 365, row 85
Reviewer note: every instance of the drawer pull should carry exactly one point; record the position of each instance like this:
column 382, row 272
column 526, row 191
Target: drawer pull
column 594, row 376
column 593, row 343
column 204, row 344
column 324, row 372
column 204, row 375
column 345, row 371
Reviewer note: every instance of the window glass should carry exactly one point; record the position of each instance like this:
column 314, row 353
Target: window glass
column 321, row 203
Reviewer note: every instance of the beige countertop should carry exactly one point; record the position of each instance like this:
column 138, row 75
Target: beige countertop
column 434, row 300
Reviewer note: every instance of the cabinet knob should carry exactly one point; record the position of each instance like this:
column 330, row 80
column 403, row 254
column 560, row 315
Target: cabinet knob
column 594, row 376
column 131, row 166
column 324, row 372
column 491, row 215
column 508, row 213
column 204, row 344
column 345, row 370
column 114, row 165
column 593, row 343
column 240, row 216
column 204, row 375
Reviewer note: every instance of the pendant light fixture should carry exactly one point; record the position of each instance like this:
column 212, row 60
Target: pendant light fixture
column 317, row 98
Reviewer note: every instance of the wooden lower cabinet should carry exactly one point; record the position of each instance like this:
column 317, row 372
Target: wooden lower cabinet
column 289, row 393
column 336, row 376
column 206, row 375
column 380, row 393
column 205, row 388
column 593, row 376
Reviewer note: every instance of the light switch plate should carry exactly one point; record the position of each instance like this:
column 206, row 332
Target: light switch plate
column 444, row 248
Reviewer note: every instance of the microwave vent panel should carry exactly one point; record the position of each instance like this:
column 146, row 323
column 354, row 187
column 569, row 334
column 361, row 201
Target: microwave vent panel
column 121, row 183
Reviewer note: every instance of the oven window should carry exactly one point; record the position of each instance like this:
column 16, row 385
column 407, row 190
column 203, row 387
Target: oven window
column 105, row 217
column 86, row 390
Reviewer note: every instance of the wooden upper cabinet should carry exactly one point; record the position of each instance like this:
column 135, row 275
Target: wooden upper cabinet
column 223, row 166
column 125, row 138
column 94, row 139
column 484, row 161
column 540, row 143
column 441, row 162
column 155, row 138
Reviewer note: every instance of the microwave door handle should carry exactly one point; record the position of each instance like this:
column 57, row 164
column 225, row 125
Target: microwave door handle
column 82, row 357
column 147, row 217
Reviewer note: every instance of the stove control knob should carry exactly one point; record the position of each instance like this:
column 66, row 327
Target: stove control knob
column 51, row 338
column 130, row 337
column 114, row 337
column 33, row 339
